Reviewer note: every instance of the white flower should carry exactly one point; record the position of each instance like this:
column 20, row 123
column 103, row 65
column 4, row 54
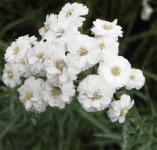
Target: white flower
column 56, row 94
column 51, row 20
column 136, row 79
column 95, row 93
column 36, row 57
column 108, row 45
column 147, row 10
column 23, row 67
column 106, row 28
column 119, row 108
column 84, row 50
column 55, row 29
column 30, row 95
column 115, row 69
column 58, row 66
column 11, row 76
column 18, row 48
column 72, row 14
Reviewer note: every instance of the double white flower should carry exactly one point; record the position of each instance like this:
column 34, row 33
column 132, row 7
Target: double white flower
column 119, row 108
column 107, row 29
column 95, row 93
column 136, row 79
column 18, row 48
column 11, row 76
column 73, row 14
column 115, row 69
column 84, row 51
column 57, row 95
column 31, row 95
column 36, row 57
column 58, row 66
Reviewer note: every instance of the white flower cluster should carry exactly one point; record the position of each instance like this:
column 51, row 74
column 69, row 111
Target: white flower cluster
column 46, row 70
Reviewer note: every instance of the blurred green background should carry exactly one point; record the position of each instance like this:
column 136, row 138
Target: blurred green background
column 73, row 128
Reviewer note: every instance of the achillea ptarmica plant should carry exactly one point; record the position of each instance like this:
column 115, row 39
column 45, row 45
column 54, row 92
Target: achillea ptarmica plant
column 46, row 70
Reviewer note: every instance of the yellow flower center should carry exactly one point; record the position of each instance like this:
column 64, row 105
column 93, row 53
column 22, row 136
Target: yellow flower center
column 60, row 33
column 108, row 26
column 10, row 74
column 83, row 51
column 28, row 95
column 132, row 77
column 60, row 65
column 96, row 95
column 46, row 29
column 56, row 91
column 124, row 111
column 116, row 70
column 40, row 55
column 16, row 50
column 23, row 62
column 101, row 45
column 69, row 13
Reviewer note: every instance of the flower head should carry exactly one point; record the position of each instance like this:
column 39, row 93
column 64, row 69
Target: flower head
column 18, row 48
column 58, row 66
column 84, row 50
column 30, row 95
column 36, row 57
column 57, row 94
column 108, row 45
column 119, row 108
column 95, row 93
column 11, row 76
column 106, row 28
column 72, row 14
column 56, row 29
column 115, row 69
column 136, row 79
